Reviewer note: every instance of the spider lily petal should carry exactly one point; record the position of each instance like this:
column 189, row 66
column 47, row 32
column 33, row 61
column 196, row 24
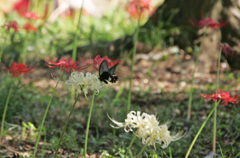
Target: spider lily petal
column 18, row 69
column 221, row 95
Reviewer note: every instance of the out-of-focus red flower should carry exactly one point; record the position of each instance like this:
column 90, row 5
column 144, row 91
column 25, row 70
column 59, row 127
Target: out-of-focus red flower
column 228, row 51
column 98, row 60
column 70, row 13
column 29, row 27
column 221, row 95
column 30, row 15
column 11, row 24
column 209, row 22
column 17, row 69
column 66, row 64
column 21, row 6
column 137, row 7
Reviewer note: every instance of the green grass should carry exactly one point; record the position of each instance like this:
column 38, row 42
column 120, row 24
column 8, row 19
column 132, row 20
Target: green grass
column 28, row 102
column 28, row 105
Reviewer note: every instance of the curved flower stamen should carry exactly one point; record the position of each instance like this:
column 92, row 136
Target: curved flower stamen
column 65, row 64
column 221, row 95
column 119, row 124
column 17, row 69
column 98, row 60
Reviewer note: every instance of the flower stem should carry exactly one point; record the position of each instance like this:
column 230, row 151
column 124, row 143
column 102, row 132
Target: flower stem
column 77, row 32
column 5, row 111
column 75, row 44
column 44, row 117
column 88, row 124
column 199, row 131
column 140, row 153
column 135, row 39
column 65, row 127
column 193, row 74
column 215, row 112
column 24, row 55
column 2, row 49
column 135, row 136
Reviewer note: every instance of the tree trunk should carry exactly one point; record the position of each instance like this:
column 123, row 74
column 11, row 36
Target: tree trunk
column 223, row 10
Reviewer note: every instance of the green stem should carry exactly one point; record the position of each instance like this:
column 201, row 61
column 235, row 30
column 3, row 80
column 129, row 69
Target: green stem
column 170, row 152
column 75, row 44
column 88, row 124
column 44, row 144
column 132, row 67
column 3, row 47
column 193, row 74
column 135, row 136
column 199, row 131
column 74, row 52
column 24, row 55
column 65, row 127
column 5, row 111
column 44, row 117
column 215, row 112
column 140, row 153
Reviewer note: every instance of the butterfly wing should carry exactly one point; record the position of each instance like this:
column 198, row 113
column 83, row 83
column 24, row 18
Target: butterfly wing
column 106, row 74
column 113, row 77
column 103, row 67
column 112, row 69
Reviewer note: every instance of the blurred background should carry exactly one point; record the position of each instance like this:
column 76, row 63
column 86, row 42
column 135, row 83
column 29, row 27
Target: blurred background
column 167, row 47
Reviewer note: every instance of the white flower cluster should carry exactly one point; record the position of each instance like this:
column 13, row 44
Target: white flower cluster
column 148, row 129
column 82, row 83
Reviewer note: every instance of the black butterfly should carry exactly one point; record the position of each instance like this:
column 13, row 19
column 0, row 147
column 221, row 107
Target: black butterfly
column 106, row 74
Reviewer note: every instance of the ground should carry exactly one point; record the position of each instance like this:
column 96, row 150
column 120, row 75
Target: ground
column 160, row 86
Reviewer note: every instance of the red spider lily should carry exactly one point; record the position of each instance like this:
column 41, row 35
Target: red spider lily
column 98, row 60
column 209, row 22
column 11, row 24
column 30, row 15
column 137, row 7
column 18, row 69
column 228, row 51
column 221, row 95
column 21, row 6
column 66, row 64
column 29, row 27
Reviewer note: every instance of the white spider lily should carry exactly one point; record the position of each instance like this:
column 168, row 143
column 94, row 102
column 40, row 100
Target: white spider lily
column 164, row 138
column 147, row 128
column 82, row 83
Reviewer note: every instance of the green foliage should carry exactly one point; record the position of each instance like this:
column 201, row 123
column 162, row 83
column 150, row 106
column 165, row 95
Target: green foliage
column 158, row 31
column 28, row 102
column 29, row 131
